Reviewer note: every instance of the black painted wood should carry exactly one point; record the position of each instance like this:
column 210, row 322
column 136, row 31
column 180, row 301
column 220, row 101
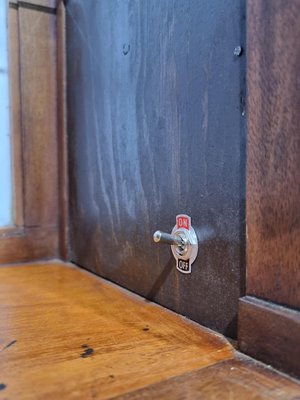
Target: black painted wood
column 155, row 104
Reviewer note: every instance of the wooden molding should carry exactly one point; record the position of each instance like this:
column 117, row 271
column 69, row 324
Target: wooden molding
column 48, row 6
column 36, row 142
column 273, row 150
column 27, row 244
column 270, row 333
column 62, row 132
column 39, row 116
column 15, row 106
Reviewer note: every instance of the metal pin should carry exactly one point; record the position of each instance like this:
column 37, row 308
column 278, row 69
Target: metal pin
column 162, row 237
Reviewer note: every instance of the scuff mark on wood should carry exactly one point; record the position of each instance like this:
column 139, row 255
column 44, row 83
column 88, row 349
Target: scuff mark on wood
column 87, row 352
column 9, row 345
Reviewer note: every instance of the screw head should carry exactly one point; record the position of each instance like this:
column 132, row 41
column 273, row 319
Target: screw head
column 237, row 52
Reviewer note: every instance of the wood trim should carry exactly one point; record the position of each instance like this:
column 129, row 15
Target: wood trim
column 266, row 330
column 14, row 66
column 39, row 116
column 33, row 80
column 62, row 132
column 37, row 7
column 27, row 244
column 273, row 150
column 44, row 3
column 48, row 6
column 270, row 333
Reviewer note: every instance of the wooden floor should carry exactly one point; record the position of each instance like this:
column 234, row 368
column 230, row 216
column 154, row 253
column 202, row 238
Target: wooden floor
column 66, row 334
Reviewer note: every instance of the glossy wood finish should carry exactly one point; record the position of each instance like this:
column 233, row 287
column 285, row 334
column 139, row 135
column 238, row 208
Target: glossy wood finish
column 270, row 333
column 273, row 174
column 238, row 379
column 266, row 331
column 67, row 334
column 155, row 97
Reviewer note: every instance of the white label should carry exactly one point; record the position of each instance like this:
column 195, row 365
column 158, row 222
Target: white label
column 184, row 266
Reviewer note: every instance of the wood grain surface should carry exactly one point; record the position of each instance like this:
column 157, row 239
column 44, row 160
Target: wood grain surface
column 238, row 379
column 39, row 116
column 155, row 104
column 273, row 150
column 270, row 333
column 32, row 52
column 27, row 244
column 62, row 146
column 15, row 116
column 67, row 334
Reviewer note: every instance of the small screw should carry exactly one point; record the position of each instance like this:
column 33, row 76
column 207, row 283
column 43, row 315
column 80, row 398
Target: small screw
column 126, row 49
column 237, row 51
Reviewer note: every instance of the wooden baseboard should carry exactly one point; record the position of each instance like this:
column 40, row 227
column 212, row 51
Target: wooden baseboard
column 28, row 244
column 270, row 333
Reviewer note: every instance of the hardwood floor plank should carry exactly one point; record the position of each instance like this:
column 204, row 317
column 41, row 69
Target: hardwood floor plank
column 237, row 379
column 65, row 333
column 68, row 334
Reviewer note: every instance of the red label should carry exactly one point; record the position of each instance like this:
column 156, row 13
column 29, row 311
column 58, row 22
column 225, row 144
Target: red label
column 183, row 221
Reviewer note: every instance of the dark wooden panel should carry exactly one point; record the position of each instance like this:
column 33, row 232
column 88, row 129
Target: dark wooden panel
column 39, row 119
column 155, row 97
column 237, row 379
column 273, row 150
column 270, row 333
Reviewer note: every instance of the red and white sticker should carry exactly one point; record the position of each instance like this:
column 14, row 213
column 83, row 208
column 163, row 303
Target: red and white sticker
column 183, row 221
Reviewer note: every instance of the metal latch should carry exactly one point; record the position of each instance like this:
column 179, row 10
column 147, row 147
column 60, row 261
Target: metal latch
column 183, row 241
